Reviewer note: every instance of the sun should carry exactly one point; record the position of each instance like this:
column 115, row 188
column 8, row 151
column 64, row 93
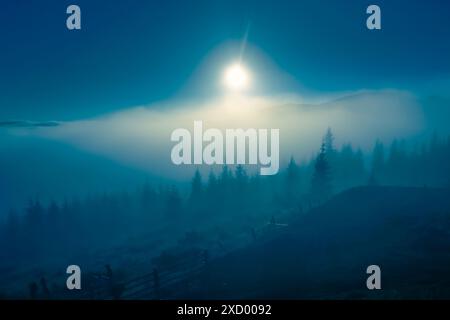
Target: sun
column 236, row 77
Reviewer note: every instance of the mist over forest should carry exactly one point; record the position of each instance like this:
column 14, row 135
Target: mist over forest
column 110, row 114
column 217, row 211
column 122, row 150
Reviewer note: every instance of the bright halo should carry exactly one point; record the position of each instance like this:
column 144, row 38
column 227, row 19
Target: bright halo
column 236, row 77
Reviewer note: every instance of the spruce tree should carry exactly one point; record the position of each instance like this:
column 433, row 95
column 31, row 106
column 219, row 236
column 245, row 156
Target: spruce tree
column 321, row 181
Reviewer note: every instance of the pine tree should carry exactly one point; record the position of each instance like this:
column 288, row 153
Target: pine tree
column 330, row 152
column 225, row 175
column 321, row 181
column 241, row 177
column 212, row 190
column 11, row 236
column 212, row 181
column 53, row 227
column 173, row 202
column 34, row 216
column 239, row 191
column 292, row 181
column 396, row 169
column 149, row 198
column 195, row 198
column 225, row 184
column 328, row 140
column 377, row 163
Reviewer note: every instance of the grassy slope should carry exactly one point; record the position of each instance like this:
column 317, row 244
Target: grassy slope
column 325, row 252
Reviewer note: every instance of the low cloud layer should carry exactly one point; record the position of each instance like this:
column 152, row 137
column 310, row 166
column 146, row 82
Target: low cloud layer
column 27, row 124
column 140, row 137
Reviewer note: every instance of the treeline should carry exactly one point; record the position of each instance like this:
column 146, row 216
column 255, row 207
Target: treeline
column 229, row 198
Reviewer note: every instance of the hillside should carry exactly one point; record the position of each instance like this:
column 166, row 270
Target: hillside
column 324, row 253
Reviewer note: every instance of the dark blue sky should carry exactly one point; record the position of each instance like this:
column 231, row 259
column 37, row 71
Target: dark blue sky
column 135, row 52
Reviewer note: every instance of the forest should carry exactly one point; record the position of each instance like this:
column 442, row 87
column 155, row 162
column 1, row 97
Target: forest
column 219, row 211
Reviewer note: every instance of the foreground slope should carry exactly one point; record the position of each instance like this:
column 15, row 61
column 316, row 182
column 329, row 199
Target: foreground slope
column 324, row 253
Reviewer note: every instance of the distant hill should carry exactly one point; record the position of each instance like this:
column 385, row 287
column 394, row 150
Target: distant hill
column 35, row 168
column 324, row 253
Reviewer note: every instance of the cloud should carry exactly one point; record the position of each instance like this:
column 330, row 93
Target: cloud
column 27, row 124
column 140, row 137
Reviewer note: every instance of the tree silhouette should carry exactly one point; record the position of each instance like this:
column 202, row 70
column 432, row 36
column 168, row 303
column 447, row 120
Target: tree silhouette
column 11, row 235
column 377, row 163
column 321, row 181
column 212, row 191
column 241, row 178
column 55, row 229
column 292, row 182
column 173, row 203
column 12, row 225
column 195, row 197
column 328, row 140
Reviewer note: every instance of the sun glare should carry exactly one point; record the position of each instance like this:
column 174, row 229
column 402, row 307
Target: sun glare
column 236, row 77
